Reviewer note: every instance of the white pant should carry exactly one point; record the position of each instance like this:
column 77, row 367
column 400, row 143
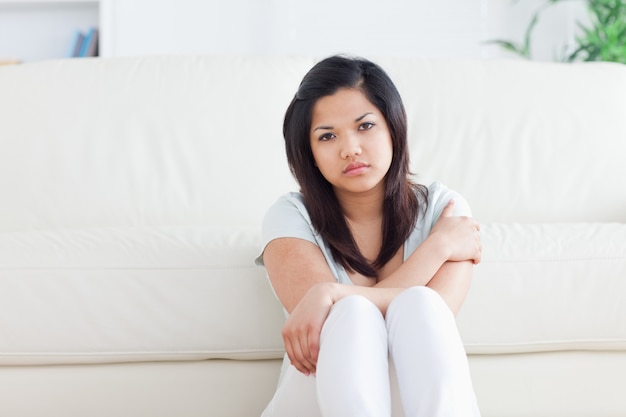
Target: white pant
column 411, row 363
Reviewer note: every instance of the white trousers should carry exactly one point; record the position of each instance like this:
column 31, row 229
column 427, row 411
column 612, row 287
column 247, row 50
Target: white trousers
column 410, row 363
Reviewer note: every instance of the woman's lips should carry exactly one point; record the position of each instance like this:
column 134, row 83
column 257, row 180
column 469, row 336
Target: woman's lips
column 355, row 168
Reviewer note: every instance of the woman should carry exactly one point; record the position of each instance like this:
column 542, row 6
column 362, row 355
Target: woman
column 369, row 266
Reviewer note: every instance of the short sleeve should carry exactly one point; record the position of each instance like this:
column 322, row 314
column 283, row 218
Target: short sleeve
column 438, row 197
column 287, row 217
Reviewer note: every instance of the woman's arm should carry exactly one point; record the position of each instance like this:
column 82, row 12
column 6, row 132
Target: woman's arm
column 452, row 282
column 303, row 281
column 295, row 265
column 307, row 288
column 453, row 246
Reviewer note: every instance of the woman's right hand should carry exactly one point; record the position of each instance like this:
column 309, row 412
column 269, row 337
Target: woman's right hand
column 301, row 333
column 459, row 234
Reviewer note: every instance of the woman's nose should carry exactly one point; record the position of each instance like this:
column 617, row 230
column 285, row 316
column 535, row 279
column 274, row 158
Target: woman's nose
column 351, row 147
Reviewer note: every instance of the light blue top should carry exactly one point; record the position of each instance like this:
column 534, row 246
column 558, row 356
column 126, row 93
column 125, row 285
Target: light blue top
column 288, row 217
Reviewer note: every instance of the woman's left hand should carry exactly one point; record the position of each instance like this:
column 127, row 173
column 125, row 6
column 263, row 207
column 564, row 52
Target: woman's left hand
column 302, row 330
column 461, row 235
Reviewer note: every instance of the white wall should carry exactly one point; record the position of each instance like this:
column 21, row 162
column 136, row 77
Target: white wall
column 422, row 28
column 31, row 30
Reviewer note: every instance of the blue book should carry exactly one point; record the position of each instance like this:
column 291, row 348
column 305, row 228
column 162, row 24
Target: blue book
column 90, row 43
column 77, row 44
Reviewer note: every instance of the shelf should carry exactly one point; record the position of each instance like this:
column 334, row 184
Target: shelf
column 33, row 30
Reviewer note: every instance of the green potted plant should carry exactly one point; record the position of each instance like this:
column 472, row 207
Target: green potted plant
column 603, row 40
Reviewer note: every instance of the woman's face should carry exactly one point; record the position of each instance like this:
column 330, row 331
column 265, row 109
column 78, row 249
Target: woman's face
column 351, row 142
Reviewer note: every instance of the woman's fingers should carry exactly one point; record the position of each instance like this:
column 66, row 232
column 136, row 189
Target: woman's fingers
column 294, row 351
column 299, row 352
column 305, row 359
column 314, row 346
column 448, row 209
column 303, row 328
column 479, row 245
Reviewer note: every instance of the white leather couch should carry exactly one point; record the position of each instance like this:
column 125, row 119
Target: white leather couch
column 132, row 192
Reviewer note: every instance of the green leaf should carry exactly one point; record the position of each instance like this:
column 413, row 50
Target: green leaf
column 510, row 46
column 604, row 38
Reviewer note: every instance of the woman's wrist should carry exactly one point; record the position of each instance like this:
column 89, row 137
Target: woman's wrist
column 328, row 290
column 439, row 247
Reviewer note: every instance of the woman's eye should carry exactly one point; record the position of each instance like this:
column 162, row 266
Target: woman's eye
column 366, row 126
column 327, row 136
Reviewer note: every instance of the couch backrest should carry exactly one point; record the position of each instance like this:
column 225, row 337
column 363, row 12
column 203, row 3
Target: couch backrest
column 525, row 142
column 197, row 140
column 143, row 142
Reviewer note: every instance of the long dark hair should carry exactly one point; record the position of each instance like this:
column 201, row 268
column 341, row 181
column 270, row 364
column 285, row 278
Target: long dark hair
column 403, row 199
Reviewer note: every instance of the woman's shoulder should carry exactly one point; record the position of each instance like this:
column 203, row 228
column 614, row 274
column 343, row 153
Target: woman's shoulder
column 293, row 198
column 431, row 193
column 287, row 217
column 438, row 197
column 437, row 190
column 292, row 202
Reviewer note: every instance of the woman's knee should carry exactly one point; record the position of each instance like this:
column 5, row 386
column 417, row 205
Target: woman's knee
column 418, row 301
column 355, row 306
column 356, row 313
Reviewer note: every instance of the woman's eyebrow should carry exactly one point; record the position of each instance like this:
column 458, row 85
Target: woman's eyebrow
column 358, row 119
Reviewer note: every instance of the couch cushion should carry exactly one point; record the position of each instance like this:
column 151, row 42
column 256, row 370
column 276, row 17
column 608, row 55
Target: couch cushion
column 543, row 287
column 135, row 294
column 183, row 293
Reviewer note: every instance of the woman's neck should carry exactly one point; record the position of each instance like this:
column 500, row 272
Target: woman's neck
column 362, row 207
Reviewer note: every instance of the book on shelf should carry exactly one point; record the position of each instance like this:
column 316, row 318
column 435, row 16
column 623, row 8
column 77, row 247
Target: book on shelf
column 85, row 44
column 77, row 44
